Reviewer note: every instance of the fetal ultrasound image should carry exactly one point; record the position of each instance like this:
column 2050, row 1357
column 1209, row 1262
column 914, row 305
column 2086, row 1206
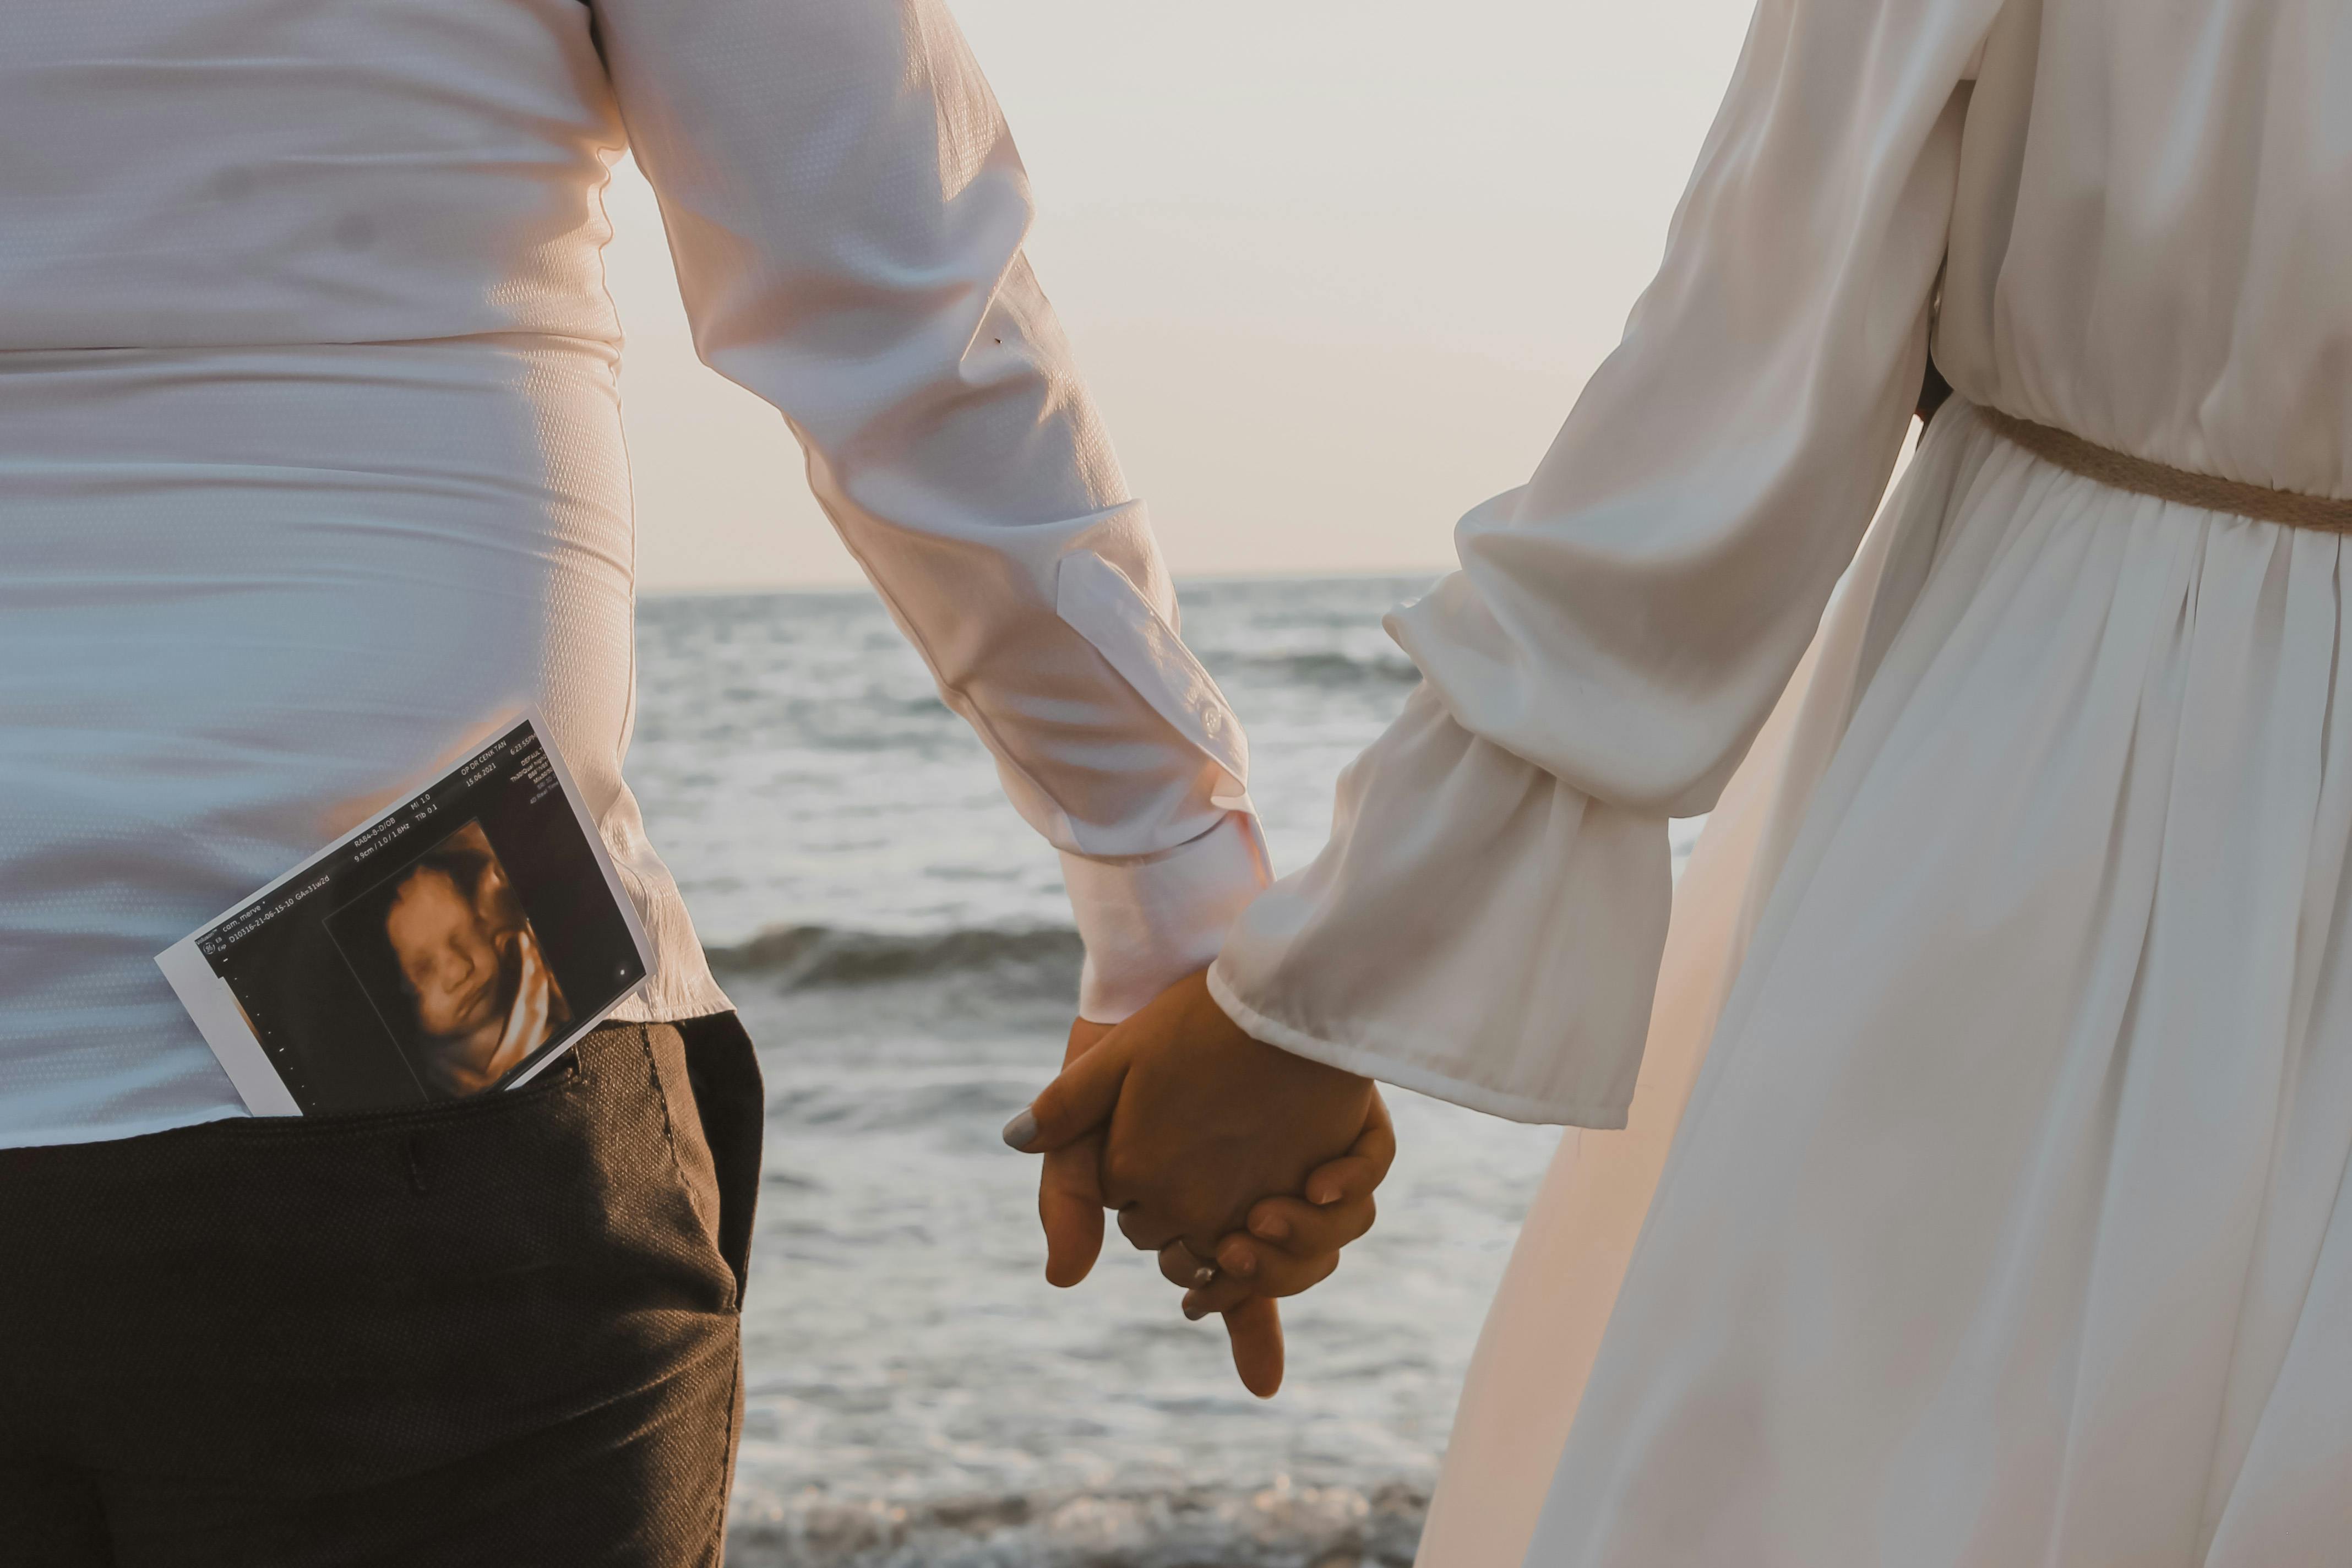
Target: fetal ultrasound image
column 452, row 947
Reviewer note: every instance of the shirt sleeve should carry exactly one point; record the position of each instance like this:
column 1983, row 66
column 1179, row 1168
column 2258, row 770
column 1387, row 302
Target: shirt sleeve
column 846, row 212
column 1486, row 923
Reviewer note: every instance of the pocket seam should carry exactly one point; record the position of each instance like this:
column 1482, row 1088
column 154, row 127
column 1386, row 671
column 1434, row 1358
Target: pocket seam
column 705, row 1225
column 557, row 1082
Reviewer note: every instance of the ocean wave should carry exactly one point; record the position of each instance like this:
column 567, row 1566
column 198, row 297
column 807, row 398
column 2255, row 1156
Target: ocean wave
column 1320, row 670
column 1278, row 1526
column 818, row 957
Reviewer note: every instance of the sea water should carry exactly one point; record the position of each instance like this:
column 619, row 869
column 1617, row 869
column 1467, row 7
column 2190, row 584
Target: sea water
column 898, row 944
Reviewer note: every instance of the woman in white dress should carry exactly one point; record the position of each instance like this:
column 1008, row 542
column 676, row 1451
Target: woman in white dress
column 2001, row 1223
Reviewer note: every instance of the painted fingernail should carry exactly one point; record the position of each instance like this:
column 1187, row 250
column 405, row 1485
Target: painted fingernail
column 1193, row 1310
column 1270, row 1227
column 1204, row 1276
column 1022, row 1129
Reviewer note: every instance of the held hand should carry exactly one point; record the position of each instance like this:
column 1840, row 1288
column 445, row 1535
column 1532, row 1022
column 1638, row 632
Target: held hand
column 1203, row 1121
column 1291, row 1244
column 1069, row 1186
column 1070, row 1207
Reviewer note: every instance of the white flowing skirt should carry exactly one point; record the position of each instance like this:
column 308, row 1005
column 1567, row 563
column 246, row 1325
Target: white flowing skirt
column 1998, row 1223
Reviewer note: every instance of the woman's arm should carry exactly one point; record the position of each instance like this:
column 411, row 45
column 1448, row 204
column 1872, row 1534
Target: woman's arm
column 1487, row 921
column 847, row 211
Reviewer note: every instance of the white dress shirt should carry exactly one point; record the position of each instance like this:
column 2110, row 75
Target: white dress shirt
column 310, row 464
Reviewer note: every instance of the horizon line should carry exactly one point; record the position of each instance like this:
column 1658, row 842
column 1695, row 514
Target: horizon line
column 1204, row 579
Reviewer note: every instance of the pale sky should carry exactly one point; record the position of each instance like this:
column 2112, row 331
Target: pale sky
column 1335, row 269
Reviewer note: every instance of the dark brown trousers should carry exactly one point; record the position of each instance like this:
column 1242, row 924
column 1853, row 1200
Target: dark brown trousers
column 501, row 1331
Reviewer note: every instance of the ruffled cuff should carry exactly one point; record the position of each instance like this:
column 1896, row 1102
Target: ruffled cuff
column 1475, row 930
column 1149, row 923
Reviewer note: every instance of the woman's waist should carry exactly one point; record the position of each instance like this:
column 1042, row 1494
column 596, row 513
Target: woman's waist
column 2281, row 425
column 2136, row 475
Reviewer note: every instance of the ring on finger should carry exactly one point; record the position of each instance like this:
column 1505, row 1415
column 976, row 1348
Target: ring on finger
column 1203, row 1272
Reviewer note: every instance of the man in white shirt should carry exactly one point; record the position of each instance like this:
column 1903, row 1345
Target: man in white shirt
column 310, row 465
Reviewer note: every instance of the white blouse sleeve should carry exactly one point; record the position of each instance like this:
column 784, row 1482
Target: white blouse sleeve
column 1487, row 921
column 846, row 212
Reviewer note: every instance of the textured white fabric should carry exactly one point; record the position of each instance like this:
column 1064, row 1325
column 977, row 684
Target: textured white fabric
column 2148, row 232
column 1141, row 919
column 2007, row 1220
column 1537, row 1348
column 310, row 462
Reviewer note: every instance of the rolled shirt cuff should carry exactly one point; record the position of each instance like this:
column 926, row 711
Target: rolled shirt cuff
column 1148, row 923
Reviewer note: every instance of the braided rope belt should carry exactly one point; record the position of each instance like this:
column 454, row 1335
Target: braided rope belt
column 2121, row 470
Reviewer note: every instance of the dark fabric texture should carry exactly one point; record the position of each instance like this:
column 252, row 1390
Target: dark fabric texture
column 501, row 1331
column 724, row 1072
column 1934, row 392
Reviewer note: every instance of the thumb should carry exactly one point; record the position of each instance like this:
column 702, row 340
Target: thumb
column 1077, row 1102
column 1070, row 1207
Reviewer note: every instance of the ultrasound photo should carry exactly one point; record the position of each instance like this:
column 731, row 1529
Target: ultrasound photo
column 445, row 953
column 457, row 943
